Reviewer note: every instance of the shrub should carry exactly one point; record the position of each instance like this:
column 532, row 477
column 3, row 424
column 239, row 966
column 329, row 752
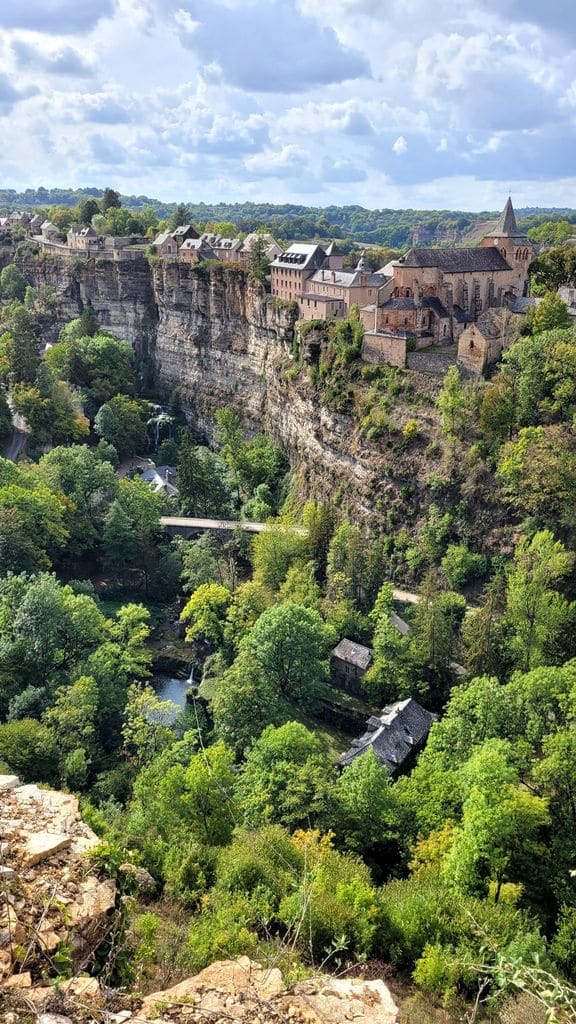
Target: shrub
column 460, row 565
column 411, row 430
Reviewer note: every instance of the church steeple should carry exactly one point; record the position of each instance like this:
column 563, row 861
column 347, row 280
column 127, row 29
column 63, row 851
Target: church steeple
column 507, row 221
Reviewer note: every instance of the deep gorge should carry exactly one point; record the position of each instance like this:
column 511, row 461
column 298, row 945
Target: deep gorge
column 223, row 341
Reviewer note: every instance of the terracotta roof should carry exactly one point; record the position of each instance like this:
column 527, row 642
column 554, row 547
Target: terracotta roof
column 454, row 261
column 394, row 735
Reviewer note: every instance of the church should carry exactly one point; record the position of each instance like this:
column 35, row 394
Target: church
column 430, row 296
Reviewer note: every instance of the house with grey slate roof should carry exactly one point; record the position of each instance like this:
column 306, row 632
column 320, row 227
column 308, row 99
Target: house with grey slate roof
column 395, row 736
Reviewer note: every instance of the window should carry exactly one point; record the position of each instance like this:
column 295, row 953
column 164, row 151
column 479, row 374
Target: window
column 444, row 330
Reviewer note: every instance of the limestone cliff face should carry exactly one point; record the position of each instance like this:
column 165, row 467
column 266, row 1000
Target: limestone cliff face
column 222, row 341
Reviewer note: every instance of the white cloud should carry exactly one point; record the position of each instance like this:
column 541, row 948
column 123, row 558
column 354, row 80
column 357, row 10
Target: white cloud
column 400, row 146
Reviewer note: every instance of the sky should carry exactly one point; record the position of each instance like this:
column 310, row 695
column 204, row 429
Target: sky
column 381, row 103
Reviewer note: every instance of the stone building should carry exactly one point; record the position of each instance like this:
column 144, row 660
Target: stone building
column 193, row 250
column 184, row 232
column 227, row 249
column 349, row 662
column 49, row 232
column 85, row 239
column 433, row 294
column 481, row 343
column 395, row 736
column 291, row 270
column 332, row 292
column 272, row 249
column 165, row 244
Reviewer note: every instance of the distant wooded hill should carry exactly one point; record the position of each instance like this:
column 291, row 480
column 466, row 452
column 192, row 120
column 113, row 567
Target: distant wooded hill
column 394, row 228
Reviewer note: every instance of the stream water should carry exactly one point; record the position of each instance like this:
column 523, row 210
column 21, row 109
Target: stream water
column 173, row 688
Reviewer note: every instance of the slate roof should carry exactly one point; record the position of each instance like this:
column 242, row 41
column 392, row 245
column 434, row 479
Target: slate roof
column 461, row 315
column 183, row 230
column 522, row 303
column 394, row 735
column 433, row 303
column 400, row 624
column 400, row 303
column 347, row 278
column 506, row 224
column 353, row 654
column 219, row 242
column 162, row 237
column 199, row 244
column 301, row 256
column 456, row 261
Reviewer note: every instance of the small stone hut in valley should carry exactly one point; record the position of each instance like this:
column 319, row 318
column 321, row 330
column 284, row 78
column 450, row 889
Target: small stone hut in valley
column 349, row 663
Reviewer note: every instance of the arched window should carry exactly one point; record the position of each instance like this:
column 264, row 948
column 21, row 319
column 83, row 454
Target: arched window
column 408, row 293
column 444, row 330
column 405, row 319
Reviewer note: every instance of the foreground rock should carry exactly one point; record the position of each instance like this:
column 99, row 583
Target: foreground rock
column 241, row 990
column 228, row 991
column 51, row 899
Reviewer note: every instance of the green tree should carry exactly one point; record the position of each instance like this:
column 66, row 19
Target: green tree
column 245, row 703
column 179, row 216
column 202, row 485
column 119, row 542
column 274, row 551
column 110, row 200
column 205, row 613
column 453, row 403
column 498, row 409
column 88, row 483
column 290, row 644
column 436, row 630
column 460, row 565
column 147, row 723
column 286, row 778
column 501, row 824
column 484, row 631
column 30, row 750
column 72, row 719
column 537, row 614
column 538, row 473
column 12, row 284
column 87, row 209
column 121, row 421
column 550, row 313
column 23, row 345
column 366, row 805
column 258, row 262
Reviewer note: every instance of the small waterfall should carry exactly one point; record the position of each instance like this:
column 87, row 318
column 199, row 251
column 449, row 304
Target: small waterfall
column 190, row 680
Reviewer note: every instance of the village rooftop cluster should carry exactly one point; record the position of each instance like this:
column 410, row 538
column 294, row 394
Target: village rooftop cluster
column 471, row 298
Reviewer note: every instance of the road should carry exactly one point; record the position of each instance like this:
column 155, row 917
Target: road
column 406, row 596
column 18, row 438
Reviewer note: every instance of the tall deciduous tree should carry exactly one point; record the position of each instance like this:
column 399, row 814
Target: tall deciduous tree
column 289, row 645
column 537, row 613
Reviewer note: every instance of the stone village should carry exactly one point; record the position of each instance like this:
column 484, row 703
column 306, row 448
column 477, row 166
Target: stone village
column 469, row 302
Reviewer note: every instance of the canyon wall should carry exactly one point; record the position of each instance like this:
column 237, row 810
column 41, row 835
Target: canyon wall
column 222, row 341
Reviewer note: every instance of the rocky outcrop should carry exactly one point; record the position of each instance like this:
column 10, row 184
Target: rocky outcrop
column 230, row 990
column 52, row 902
column 242, row 990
